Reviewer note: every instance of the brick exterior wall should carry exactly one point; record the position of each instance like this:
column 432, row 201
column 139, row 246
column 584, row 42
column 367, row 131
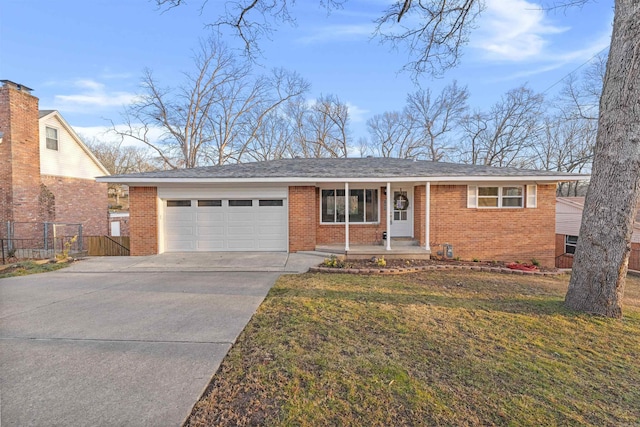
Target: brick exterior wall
column 302, row 224
column 75, row 201
column 559, row 244
column 6, row 170
column 19, row 157
column 418, row 214
column 143, row 220
column 124, row 225
column 493, row 234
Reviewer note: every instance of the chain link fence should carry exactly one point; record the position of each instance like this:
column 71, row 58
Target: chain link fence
column 40, row 240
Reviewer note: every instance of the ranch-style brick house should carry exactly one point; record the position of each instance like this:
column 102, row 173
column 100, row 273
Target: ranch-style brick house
column 293, row 205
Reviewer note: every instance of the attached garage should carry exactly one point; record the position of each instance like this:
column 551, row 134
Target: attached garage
column 225, row 221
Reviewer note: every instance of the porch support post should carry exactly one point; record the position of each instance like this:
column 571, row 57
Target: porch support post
column 427, row 214
column 346, row 217
column 389, row 196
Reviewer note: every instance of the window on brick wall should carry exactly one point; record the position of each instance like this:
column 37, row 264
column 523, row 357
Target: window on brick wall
column 495, row 196
column 52, row 138
column 570, row 243
column 363, row 206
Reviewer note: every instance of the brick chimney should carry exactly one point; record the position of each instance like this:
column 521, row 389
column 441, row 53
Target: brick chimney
column 19, row 155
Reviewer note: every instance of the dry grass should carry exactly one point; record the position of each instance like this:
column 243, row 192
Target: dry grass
column 29, row 267
column 442, row 348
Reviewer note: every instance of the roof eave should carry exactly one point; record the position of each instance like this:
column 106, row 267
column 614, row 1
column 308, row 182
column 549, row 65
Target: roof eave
column 279, row 180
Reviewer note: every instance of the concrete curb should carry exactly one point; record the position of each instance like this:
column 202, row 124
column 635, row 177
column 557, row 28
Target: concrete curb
column 405, row 270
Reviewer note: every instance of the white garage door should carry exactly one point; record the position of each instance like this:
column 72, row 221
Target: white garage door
column 242, row 224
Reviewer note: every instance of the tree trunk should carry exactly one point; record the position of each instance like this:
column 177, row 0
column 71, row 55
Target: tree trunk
column 602, row 255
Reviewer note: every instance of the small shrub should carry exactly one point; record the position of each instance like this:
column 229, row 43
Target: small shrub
column 535, row 262
column 67, row 247
column 334, row 262
column 381, row 262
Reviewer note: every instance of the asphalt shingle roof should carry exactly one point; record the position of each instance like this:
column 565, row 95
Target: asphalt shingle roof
column 370, row 167
column 42, row 113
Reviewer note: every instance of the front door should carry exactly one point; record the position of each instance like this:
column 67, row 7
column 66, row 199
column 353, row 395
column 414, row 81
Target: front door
column 402, row 212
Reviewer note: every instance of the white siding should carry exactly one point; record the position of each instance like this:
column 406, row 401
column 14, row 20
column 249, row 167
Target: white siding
column 70, row 160
column 569, row 218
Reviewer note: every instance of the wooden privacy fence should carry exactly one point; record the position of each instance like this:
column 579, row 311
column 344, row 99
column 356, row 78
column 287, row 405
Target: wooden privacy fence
column 566, row 260
column 107, row 246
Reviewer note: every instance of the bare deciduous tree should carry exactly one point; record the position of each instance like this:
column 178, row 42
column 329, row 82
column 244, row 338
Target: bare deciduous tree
column 435, row 119
column 433, row 32
column 580, row 94
column 322, row 127
column 392, row 135
column 119, row 159
column 504, row 135
column 565, row 146
column 214, row 115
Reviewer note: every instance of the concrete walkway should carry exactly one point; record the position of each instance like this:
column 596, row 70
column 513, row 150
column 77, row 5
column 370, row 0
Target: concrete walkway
column 129, row 341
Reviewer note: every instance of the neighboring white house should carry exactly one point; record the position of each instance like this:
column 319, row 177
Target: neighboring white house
column 69, row 169
column 62, row 152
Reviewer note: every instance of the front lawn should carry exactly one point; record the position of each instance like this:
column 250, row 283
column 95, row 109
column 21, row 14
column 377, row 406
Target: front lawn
column 437, row 348
column 29, row 267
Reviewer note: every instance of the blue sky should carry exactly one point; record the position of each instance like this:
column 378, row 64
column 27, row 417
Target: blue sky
column 85, row 58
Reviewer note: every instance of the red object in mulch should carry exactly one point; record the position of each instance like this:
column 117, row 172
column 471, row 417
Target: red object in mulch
column 523, row 267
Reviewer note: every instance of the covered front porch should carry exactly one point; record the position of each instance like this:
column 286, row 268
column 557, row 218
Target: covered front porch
column 399, row 230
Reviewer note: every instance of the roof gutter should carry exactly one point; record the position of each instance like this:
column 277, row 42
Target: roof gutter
column 280, row 180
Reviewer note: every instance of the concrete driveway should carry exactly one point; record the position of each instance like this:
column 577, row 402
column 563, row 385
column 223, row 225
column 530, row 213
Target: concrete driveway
column 126, row 340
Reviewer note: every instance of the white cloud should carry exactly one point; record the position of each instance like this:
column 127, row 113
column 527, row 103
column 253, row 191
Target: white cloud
column 337, row 32
column 356, row 113
column 91, row 94
column 513, row 30
column 555, row 61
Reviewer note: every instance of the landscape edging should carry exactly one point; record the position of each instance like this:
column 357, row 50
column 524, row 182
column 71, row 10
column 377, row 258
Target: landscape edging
column 404, row 270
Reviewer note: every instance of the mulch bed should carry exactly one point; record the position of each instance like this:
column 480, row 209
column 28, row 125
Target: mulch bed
column 399, row 266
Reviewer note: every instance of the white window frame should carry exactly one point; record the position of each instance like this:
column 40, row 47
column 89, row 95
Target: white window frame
column 473, row 196
column 570, row 244
column 335, row 189
column 46, row 138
